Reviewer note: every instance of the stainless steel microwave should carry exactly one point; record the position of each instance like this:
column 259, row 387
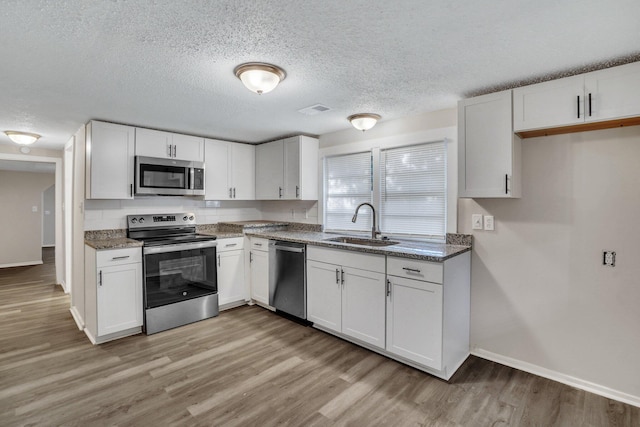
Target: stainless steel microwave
column 168, row 177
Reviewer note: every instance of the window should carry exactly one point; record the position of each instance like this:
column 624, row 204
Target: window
column 410, row 198
column 347, row 183
column 413, row 190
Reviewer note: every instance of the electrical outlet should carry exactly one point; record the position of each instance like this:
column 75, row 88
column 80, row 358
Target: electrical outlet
column 476, row 222
column 488, row 223
column 609, row 258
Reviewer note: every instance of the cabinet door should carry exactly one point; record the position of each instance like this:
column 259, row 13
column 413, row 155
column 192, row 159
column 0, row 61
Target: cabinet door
column 153, row 143
column 291, row 168
column 363, row 306
column 119, row 298
column 217, row 155
column 187, row 147
column 269, row 171
column 489, row 152
column 109, row 163
column 615, row 93
column 260, row 276
column 230, row 277
column 243, row 171
column 550, row 104
column 324, row 295
column 414, row 321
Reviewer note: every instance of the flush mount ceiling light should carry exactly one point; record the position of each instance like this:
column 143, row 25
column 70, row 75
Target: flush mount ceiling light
column 364, row 121
column 259, row 77
column 22, row 138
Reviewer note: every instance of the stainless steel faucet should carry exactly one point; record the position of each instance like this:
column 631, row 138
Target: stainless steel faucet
column 374, row 229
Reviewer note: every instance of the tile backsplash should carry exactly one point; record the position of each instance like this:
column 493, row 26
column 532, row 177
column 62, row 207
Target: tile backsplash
column 111, row 214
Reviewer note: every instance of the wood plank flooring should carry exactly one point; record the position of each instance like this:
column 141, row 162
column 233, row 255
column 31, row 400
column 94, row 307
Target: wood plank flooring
column 249, row 367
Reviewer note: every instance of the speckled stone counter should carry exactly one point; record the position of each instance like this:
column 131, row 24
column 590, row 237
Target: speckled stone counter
column 112, row 243
column 435, row 252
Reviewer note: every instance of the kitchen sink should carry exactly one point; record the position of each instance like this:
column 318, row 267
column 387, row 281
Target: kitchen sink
column 361, row 241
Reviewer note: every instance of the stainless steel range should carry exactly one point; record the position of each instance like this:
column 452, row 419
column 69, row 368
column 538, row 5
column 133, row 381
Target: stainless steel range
column 180, row 277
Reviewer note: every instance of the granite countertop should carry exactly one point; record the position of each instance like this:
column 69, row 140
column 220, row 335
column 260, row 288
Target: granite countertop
column 112, row 243
column 221, row 234
column 435, row 252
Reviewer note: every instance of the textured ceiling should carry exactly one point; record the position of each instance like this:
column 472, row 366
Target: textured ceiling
column 168, row 64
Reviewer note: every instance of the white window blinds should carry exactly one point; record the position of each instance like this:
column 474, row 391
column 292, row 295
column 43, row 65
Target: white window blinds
column 347, row 183
column 413, row 190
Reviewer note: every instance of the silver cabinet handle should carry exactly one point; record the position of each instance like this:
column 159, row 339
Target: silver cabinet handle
column 250, row 256
column 342, row 277
column 411, row 270
column 218, row 260
column 170, row 150
column 280, row 192
column 297, row 191
column 388, row 287
column 119, row 257
column 337, row 276
column 100, row 278
column 257, row 244
column 175, row 151
column 234, row 192
column 131, row 189
column 230, row 245
column 230, row 193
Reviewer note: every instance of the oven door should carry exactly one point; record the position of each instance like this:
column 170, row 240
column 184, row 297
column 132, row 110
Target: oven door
column 179, row 272
column 162, row 176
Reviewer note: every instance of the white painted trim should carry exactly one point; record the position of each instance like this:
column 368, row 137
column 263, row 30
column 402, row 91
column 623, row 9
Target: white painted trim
column 21, row 264
column 559, row 377
column 76, row 316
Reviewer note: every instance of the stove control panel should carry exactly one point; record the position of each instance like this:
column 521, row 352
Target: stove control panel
column 155, row 220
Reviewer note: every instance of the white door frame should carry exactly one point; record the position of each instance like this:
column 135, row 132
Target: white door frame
column 58, row 180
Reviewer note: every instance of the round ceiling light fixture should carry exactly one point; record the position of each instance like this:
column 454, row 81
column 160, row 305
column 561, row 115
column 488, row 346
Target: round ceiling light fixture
column 259, row 77
column 364, row 121
column 22, row 138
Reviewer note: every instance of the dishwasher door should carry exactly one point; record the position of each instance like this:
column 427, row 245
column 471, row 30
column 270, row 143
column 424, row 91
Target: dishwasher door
column 288, row 278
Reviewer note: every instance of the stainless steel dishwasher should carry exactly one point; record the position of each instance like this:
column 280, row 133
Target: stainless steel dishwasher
column 288, row 278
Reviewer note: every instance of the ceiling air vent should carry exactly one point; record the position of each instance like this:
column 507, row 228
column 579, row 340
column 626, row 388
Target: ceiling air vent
column 314, row 109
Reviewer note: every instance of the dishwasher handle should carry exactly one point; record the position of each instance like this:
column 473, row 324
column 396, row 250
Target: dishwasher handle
column 288, row 249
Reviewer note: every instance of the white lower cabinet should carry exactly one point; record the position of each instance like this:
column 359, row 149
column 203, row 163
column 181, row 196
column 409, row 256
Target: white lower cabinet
column 418, row 315
column 231, row 283
column 259, row 267
column 414, row 320
column 346, row 293
column 113, row 293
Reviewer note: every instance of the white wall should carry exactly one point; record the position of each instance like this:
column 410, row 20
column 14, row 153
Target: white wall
column 20, row 225
column 303, row 211
column 541, row 298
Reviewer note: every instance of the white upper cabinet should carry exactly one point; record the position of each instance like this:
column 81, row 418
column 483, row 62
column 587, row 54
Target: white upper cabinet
column 109, row 161
column 609, row 94
column 269, row 170
column 287, row 169
column 156, row 143
column 488, row 151
column 230, row 170
column 614, row 92
column 550, row 104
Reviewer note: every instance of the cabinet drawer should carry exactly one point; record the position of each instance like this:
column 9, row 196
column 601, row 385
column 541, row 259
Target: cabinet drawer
column 259, row 244
column 415, row 269
column 359, row 260
column 111, row 257
column 231, row 244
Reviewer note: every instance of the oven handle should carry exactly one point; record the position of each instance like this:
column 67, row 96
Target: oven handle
column 178, row 247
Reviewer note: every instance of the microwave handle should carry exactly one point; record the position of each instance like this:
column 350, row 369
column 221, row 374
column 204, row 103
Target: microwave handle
column 192, row 178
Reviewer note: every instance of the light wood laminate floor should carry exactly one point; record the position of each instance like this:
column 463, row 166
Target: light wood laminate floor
column 249, row 367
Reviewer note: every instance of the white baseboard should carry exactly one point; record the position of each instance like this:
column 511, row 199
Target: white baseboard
column 21, row 264
column 76, row 316
column 558, row 376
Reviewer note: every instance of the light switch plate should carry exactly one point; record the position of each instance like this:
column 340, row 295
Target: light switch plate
column 488, row 223
column 476, row 222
